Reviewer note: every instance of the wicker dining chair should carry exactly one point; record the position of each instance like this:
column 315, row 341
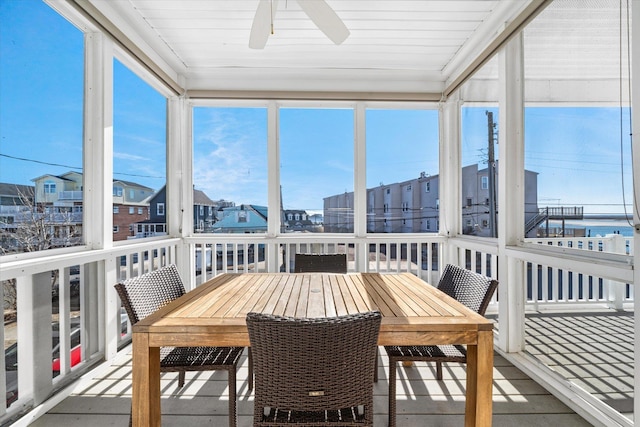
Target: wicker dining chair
column 471, row 289
column 145, row 294
column 327, row 263
column 313, row 372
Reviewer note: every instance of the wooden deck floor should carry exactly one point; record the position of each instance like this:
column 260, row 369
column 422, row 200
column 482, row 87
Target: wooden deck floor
column 593, row 350
column 422, row 401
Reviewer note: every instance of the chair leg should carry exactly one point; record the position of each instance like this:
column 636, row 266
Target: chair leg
column 232, row 397
column 181, row 376
column 392, row 392
column 439, row 371
column 250, row 357
column 375, row 371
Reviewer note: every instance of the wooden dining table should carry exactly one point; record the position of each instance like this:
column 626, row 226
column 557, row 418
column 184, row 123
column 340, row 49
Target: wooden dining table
column 213, row 314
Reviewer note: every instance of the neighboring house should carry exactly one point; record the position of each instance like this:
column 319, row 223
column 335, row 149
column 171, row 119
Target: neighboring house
column 14, row 199
column 298, row 220
column 205, row 214
column 242, row 219
column 413, row 206
column 62, row 197
column 16, row 202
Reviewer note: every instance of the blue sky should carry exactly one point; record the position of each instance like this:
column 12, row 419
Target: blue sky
column 576, row 151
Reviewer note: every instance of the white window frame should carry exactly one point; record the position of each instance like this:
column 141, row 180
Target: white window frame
column 485, row 182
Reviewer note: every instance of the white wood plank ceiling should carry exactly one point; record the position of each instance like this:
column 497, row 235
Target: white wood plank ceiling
column 394, row 46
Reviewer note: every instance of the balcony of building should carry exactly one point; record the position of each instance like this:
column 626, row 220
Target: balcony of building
column 564, row 312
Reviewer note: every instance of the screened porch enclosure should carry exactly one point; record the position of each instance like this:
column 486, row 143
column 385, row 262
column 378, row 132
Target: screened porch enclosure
column 437, row 132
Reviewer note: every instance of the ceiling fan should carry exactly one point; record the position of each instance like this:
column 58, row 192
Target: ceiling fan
column 318, row 11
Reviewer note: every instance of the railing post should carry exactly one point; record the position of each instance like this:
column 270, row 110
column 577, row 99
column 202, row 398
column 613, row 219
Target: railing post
column 615, row 298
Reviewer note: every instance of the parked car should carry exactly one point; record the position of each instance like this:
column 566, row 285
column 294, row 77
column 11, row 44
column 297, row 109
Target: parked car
column 11, row 357
column 11, row 353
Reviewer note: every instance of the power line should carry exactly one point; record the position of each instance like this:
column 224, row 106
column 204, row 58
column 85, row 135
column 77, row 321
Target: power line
column 71, row 167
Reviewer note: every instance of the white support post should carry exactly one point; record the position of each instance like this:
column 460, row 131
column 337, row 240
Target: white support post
column 511, row 194
column 98, row 142
column 179, row 187
column 635, row 102
column 273, row 186
column 360, row 187
column 450, row 166
column 99, row 298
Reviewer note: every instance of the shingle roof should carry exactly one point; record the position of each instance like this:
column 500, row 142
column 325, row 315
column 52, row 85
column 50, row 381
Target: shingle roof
column 7, row 189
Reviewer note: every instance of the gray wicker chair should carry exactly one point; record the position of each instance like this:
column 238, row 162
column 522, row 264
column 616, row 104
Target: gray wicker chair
column 313, row 372
column 327, row 263
column 471, row 289
column 145, row 294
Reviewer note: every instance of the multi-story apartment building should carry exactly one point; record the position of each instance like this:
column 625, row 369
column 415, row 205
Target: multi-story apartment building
column 413, row 206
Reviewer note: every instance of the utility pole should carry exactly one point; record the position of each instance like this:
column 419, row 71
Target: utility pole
column 491, row 169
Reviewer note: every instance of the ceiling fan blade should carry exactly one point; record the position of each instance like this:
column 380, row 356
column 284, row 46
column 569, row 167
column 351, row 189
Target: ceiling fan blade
column 325, row 19
column 261, row 27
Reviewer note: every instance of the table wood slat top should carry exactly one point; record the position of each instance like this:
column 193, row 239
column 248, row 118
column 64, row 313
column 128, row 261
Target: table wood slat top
column 406, row 302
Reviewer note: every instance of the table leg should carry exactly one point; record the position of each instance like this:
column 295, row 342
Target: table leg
column 480, row 381
column 145, row 405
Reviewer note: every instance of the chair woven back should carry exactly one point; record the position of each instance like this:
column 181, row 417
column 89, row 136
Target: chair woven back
column 313, row 364
column 326, row 263
column 471, row 289
column 149, row 292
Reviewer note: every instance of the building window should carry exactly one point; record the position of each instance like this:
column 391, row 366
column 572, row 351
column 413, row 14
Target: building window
column 297, row 217
column 140, row 211
column 116, row 228
column 290, row 217
column 486, row 201
column 405, row 206
column 49, row 187
column 485, row 223
column 437, row 204
column 131, row 228
column 160, row 209
column 201, row 209
column 427, row 186
column 386, row 208
column 210, row 210
column 117, row 191
column 485, row 182
column 242, row 216
column 409, row 187
column 428, row 224
column 388, row 191
column 116, row 209
column 132, row 194
column 132, row 210
column 469, row 202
